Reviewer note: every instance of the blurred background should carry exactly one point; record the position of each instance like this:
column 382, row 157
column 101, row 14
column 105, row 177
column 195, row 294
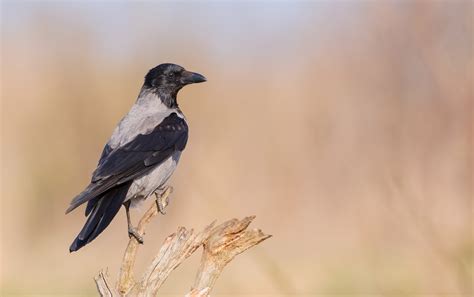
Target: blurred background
column 344, row 126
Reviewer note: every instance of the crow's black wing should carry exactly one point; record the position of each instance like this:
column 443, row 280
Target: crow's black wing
column 136, row 158
column 105, row 153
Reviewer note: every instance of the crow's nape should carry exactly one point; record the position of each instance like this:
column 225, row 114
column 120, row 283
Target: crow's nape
column 102, row 210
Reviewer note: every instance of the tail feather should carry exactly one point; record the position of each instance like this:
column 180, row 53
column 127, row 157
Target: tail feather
column 93, row 191
column 99, row 210
column 101, row 214
column 90, row 205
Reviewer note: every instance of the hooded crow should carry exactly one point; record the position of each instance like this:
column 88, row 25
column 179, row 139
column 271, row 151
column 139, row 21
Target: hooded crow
column 141, row 154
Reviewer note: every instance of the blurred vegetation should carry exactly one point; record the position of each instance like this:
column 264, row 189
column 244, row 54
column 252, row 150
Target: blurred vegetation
column 346, row 127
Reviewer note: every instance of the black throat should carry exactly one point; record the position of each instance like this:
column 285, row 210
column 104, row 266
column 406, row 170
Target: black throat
column 167, row 96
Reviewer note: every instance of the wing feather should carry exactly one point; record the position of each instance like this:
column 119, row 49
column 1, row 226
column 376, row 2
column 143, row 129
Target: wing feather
column 135, row 158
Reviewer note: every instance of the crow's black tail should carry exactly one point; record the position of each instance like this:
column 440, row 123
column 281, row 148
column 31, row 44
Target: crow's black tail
column 102, row 210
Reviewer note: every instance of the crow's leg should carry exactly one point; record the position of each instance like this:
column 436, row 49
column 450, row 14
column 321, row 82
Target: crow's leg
column 131, row 230
column 162, row 199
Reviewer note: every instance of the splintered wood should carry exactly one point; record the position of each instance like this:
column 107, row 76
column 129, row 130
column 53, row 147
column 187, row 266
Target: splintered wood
column 220, row 245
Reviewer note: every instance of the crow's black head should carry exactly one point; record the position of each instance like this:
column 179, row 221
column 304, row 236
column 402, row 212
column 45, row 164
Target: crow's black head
column 171, row 78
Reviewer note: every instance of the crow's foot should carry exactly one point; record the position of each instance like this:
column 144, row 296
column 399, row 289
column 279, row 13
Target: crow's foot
column 162, row 198
column 132, row 232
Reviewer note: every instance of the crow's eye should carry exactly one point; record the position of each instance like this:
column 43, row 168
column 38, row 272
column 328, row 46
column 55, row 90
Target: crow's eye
column 171, row 75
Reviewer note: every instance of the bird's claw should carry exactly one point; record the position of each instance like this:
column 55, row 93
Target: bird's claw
column 132, row 232
column 162, row 200
column 161, row 206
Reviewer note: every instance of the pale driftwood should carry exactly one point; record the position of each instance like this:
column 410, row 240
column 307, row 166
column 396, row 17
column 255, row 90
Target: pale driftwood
column 126, row 279
column 198, row 293
column 220, row 245
column 224, row 243
column 103, row 285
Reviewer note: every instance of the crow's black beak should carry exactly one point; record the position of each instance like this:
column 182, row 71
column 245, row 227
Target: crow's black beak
column 188, row 77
